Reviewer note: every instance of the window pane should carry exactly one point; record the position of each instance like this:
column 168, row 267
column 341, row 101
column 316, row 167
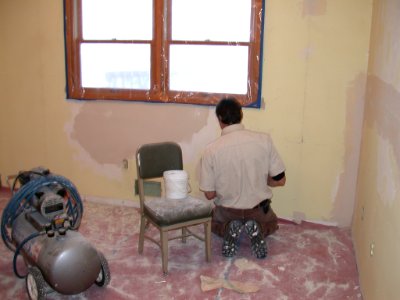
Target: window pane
column 214, row 20
column 123, row 66
column 117, row 19
column 211, row 69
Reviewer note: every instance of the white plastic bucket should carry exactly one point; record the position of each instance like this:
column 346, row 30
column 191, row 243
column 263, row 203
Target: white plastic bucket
column 176, row 184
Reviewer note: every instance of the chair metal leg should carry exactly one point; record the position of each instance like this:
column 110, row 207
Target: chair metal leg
column 184, row 234
column 164, row 250
column 207, row 239
column 141, row 233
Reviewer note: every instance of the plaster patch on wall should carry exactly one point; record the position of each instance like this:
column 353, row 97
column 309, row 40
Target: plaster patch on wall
column 308, row 52
column 382, row 112
column 299, row 217
column 345, row 186
column 108, row 170
column 382, row 116
column 387, row 176
column 193, row 148
column 335, row 189
column 314, row 7
column 108, row 132
column 385, row 52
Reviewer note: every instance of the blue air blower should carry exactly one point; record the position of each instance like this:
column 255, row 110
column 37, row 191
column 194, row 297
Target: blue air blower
column 40, row 222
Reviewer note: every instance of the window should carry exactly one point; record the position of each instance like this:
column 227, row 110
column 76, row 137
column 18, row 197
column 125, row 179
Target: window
column 185, row 51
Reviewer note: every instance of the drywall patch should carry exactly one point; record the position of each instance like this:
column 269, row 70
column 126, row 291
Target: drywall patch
column 344, row 200
column 314, row 7
column 108, row 132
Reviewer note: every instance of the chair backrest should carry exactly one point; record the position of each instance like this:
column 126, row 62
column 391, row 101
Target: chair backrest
column 153, row 159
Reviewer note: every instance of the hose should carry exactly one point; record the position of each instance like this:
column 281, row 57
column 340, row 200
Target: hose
column 22, row 174
column 21, row 201
column 20, row 246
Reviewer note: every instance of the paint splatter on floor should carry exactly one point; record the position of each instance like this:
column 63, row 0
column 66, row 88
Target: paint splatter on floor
column 305, row 261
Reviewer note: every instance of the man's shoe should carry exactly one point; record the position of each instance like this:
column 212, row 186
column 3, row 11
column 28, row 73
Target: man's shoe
column 231, row 238
column 258, row 245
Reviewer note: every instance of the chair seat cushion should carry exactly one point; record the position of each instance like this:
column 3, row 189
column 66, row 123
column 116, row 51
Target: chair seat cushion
column 171, row 211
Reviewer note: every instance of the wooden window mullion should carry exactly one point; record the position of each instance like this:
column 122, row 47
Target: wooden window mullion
column 156, row 86
column 167, row 37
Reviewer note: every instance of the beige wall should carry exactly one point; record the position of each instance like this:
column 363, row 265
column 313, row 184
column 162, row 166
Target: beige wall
column 314, row 75
column 376, row 225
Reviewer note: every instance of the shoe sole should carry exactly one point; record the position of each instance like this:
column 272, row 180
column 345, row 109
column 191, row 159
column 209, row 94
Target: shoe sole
column 258, row 245
column 230, row 244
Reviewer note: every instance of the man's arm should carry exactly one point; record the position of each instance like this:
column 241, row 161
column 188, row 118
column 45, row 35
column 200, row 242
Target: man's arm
column 278, row 180
column 210, row 195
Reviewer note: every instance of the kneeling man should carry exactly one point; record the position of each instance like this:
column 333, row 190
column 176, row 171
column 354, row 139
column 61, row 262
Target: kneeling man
column 237, row 171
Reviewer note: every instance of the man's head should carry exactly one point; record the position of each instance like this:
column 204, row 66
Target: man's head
column 229, row 111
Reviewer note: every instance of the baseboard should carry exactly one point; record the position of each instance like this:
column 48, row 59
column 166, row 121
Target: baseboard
column 318, row 222
column 111, row 201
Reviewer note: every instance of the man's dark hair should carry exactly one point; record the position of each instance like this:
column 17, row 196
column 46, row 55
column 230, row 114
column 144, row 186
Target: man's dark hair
column 229, row 111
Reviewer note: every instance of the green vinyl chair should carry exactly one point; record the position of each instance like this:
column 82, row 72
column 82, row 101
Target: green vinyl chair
column 168, row 214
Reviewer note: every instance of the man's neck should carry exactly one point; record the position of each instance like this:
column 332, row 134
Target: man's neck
column 222, row 125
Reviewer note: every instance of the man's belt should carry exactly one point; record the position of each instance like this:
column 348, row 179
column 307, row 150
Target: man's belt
column 264, row 205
